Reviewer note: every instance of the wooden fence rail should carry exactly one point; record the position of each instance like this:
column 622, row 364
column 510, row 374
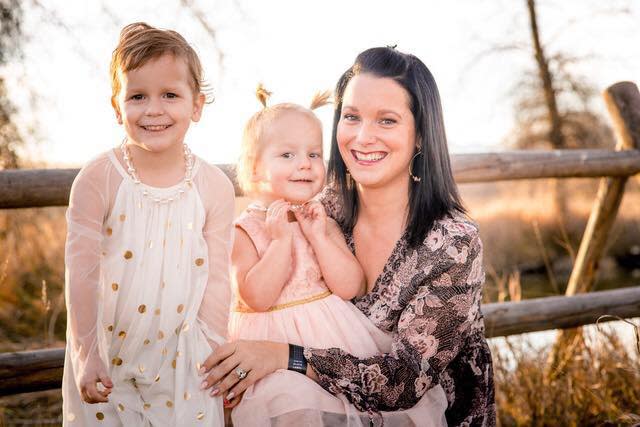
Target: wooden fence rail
column 50, row 187
column 27, row 371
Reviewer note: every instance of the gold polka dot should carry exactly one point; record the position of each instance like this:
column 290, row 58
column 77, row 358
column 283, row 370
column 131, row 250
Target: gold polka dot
column 178, row 353
column 164, row 351
column 163, row 285
column 190, row 226
column 123, row 217
column 185, row 327
column 120, row 407
column 146, row 405
column 114, row 286
column 173, row 364
column 142, row 308
column 141, row 368
column 199, row 261
column 71, row 416
column 200, row 415
column 169, row 404
column 140, row 205
column 146, row 342
column 122, row 334
column 180, row 308
column 156, row 311
column 160, row 335
column 168, row 224
column 157, row 378
column 109, row 231
column 116, row 361
column 110, row 328
column 187, row 396
column 150, row 244
column 128, row 255
column 100, row 416
column 177, row 330
column 198, row 366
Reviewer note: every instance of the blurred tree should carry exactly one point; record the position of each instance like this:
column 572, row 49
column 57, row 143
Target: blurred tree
column 10, row 41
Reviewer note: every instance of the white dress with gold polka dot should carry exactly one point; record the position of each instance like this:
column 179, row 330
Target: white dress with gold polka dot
column 147, row 291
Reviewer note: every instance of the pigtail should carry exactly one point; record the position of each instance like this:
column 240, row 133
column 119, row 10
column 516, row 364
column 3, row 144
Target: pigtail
column 263, row 95
column 320, row 99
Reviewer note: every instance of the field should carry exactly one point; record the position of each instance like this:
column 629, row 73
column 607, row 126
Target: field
column 528, row 253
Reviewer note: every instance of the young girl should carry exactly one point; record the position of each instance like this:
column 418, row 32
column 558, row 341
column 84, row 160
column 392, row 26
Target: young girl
column 293, row 271
column 147, row 285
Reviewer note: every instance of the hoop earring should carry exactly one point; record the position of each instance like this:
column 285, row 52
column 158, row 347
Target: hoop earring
column 413, row 177
column 349, row 181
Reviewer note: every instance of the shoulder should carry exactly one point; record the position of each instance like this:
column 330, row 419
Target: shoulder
column 95, row 170
column 332, row 202
column 456, row 229
column 214, row 176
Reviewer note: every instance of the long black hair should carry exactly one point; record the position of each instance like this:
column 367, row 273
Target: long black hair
column 436, row 194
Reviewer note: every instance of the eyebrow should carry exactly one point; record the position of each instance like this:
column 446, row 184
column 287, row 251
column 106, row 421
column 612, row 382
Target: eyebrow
column 384, row 111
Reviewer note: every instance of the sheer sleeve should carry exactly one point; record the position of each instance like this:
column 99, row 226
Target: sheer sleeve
column 332, row 203
column 89, row 203
column 218, row 198
column 434, row 323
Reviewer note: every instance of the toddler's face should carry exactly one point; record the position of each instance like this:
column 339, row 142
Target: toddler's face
column 290, row 166
column 156, row 103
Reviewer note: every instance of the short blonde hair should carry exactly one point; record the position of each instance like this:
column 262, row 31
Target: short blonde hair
column 252, row 138
column 140, row 43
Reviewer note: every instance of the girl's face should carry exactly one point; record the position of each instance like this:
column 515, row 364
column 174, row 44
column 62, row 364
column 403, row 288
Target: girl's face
column 156, row 103
column 376, row 132
column 290, row 165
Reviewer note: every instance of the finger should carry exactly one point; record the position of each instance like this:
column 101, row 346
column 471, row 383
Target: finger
column 223, row 370
column 232, row 403
column 218, row 355
column 241, row 386
column 231, row 381
column 106, row 381
column 93, row 395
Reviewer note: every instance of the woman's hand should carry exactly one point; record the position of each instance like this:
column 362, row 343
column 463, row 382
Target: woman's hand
column 313, row 220
column 92, row 373
column 256, row 358
column 276, row 220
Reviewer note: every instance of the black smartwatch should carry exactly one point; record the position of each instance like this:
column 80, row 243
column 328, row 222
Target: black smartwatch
column 297, row 362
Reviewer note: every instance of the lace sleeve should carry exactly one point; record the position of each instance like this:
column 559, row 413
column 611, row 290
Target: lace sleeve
column 432, row 327
column 88, row 208
column 332, row 203
column 218, row 198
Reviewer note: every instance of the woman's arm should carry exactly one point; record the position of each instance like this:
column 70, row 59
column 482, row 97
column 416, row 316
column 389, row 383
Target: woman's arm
column 260, row 280
column 432, row 328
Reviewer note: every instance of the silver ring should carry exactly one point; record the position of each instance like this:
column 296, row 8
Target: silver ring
column 241, row 373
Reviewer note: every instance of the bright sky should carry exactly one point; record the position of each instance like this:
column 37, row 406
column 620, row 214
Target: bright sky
column 297, row 47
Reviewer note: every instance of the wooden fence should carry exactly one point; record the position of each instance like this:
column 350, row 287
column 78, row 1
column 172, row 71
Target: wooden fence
column 28, row 371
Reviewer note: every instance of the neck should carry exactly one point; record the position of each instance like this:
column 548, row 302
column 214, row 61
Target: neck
column 165, row 160
column 382, row 205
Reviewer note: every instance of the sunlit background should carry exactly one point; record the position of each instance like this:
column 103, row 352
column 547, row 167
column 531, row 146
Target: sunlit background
column 478, row 51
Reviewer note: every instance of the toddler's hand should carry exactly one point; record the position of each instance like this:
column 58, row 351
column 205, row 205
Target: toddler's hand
column 92, row 373
column 313, row 220
column 277, row 220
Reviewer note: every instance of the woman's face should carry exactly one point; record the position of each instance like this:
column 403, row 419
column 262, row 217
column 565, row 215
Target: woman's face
column 376, row 132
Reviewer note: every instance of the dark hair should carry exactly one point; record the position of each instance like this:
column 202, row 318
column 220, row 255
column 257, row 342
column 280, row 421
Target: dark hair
column 436, row 195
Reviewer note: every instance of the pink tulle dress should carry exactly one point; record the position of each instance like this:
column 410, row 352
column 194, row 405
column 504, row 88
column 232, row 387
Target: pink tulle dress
column 307, row 314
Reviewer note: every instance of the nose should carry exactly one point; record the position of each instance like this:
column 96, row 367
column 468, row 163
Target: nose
column 366, row 134
column 154, row 107
column 304, row 162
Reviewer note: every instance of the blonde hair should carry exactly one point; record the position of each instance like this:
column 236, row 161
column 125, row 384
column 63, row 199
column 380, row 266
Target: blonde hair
column 252, row 138
column 139, row 43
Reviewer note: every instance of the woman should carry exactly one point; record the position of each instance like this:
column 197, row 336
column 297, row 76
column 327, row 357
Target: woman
column 393, row 194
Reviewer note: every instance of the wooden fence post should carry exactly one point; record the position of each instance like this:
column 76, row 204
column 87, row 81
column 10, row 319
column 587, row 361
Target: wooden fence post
column 623, row 103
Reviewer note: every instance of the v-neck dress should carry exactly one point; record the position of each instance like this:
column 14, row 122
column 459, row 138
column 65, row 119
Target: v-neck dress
column 147, row 292
column 428, row 299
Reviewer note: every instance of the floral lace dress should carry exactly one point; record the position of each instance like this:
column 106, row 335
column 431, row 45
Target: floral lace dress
column 429, row 299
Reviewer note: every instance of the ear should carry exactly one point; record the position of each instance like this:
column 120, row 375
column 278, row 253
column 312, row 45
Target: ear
column 116, row 110
column 198, row 105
